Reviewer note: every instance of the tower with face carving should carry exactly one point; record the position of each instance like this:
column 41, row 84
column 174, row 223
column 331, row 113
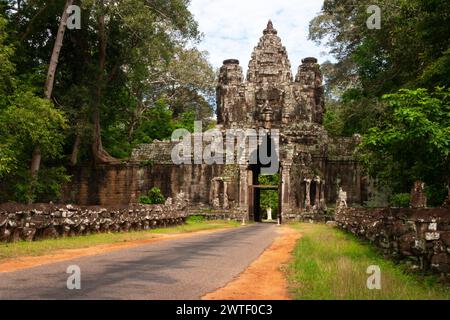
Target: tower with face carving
column 269, row 88
column 312, row 165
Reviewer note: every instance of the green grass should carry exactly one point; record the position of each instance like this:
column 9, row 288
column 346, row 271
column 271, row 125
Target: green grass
column 37, row 248
column 329, row 264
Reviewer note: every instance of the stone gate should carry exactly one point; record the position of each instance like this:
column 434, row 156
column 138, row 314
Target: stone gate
column 313, row 166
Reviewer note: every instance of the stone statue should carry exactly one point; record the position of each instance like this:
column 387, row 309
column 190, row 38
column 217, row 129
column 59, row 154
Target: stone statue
column 216, row 203
column 168, row 202
column 308, row 194
column 181, row 201
column 418, row 196
column 342, row 199
column 269, row 214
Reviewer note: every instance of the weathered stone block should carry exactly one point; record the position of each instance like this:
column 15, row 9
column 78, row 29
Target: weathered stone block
column 441, row 262
column 429, row 236
column 445, row 237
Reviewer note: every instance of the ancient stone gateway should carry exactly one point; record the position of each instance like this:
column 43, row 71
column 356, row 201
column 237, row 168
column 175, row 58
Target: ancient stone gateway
column 312, row 168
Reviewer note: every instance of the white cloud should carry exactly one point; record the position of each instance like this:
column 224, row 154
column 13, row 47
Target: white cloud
column 233, row 27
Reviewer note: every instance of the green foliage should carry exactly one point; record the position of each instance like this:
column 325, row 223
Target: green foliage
column 46, row 188
column 354, row 113
column 144, row 200
column 7, row 159
column 186, row 121
column 30, row 121
column 152, row 83
column 412, row 142
column 195, row 219
column 436, row 194
column 405, row 132
column 400, row 200
column 437, row 73
column 413, row 34
column 269, row 198
column 7, row 67
column 154, row 196
column 333, row 122
column 158, row 124
column 410, row 50
column 273, row 180
column 27, row 120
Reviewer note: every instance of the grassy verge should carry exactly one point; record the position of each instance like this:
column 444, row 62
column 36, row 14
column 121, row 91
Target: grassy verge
column 330, row 264
column 37, row 248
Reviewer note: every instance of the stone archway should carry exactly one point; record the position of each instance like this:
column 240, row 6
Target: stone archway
column 253, row 173
column 254, row 193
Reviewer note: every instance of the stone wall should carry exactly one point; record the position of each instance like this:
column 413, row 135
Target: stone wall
column 43, row 221
column 420, row 237
column 124, row 184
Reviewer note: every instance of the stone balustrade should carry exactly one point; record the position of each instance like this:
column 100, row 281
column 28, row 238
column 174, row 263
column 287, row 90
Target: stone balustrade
column 44, row 221
column 420, row 237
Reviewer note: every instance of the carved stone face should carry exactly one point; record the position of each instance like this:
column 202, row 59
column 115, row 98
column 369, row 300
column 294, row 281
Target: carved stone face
column 269, row 81
column 272, row 98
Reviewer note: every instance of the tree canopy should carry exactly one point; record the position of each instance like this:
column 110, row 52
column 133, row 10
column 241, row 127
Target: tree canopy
column 130, row 75
column 389, row 84
column 412, row 142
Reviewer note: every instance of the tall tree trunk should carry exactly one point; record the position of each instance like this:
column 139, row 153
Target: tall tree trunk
column 36, row 162
column 100, row 154
column 19, row 11
column 135, row 119
column 56, row 50
column 75, row 150
column 37, row 156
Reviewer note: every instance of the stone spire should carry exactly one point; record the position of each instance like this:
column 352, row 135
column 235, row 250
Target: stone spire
column 310, row 92
column 229, row 103
column 270, row 29
column 230, row 73
column 269, row 63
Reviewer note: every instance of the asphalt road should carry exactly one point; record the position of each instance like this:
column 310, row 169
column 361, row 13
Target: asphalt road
column 171, row 269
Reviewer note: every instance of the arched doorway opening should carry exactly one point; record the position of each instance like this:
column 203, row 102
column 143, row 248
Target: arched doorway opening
column 264, row 186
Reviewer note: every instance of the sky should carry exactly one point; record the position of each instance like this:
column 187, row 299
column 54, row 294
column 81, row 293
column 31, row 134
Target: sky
column 232, row 28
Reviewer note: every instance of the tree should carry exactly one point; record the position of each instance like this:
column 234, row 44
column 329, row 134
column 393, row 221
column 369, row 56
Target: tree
column 55, row 52
column 409, row 51
column 99, row 153
column 186, row 83
column 138, row 37
column 23, row 8
column 26, row 120
column 191, row 81
column 412, row 142
column 129, row 75
column 29, row 121
column 380, row 60
column 7, row 68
